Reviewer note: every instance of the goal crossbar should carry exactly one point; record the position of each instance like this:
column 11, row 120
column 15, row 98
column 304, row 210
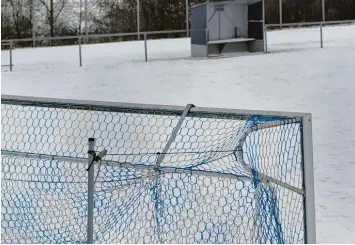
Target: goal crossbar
column 163, row 109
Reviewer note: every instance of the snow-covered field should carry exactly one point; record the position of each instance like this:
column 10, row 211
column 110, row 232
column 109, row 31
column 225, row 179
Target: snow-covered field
column 320, row 81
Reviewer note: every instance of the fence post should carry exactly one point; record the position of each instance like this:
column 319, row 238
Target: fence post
column 86, row 13
column 90, row 223
column 323, row 10
column 187, row 17
column 206, row 41
column 80, row 58
column 321, row 35
column 265, row 39
column 145, row 47
column 138, row 20
column 10, row 55
column 280, row 10
column 264, row 27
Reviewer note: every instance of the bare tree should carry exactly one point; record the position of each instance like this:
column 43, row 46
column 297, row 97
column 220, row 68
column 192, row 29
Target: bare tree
column 53, row 10
column 66, row 17
column 16, row 14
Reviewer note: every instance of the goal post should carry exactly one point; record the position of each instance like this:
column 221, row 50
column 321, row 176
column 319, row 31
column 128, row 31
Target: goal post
column 171, row 174
column 307, row 147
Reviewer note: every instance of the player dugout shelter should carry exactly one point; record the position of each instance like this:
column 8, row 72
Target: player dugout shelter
column 219, row 27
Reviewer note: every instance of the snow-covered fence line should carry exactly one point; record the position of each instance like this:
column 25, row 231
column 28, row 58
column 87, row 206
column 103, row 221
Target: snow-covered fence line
column 288, row 38
column 85, row 39
column 319, row 24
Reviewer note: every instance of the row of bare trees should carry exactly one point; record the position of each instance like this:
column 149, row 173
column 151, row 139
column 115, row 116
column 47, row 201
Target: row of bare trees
column 309, row 10
column 40, row 18
column 27, row 18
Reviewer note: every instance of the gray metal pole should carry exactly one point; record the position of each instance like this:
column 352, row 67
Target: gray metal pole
column 264, row 28
column 280, row 6
column 323, row 10
column 219, row 25
column 33, row 23
column 173, row 135
column 138, row 20
column 265, row 40
column 86, row 22
column 187, row 17
column 10, row 56
column 321, row 35
column 80, row 57
column 145, row 47
column 80, row 16
column 90, row 224
column 308, row 178
column 206, row 41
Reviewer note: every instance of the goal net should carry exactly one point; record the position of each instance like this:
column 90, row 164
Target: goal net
column 171, row 174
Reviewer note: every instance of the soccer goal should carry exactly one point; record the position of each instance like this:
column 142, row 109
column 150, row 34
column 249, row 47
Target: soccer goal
column 100, row 172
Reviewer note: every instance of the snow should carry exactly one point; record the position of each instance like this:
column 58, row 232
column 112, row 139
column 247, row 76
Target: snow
column 320, row 81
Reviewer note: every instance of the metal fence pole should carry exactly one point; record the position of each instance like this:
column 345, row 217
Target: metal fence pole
column 187, row 17
column 138, row 19
column 10, row 56
column 33, row 23
column 321, row 35
column 265, row 39
column 264, row 27
column 80, row 57
column 206, row 41
column 145, row 47
column 323, row 10
column 86, row 22
column 90, row 224
column 280, row 9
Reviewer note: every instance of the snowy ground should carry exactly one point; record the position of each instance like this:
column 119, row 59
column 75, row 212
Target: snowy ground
column 320, row 81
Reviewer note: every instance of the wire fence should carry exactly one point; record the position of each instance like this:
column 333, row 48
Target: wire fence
column 83, row 40
column 170, row 175
column 320, row 24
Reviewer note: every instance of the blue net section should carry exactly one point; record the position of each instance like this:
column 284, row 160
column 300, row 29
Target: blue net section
column 42, row 201
column 223, row 179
